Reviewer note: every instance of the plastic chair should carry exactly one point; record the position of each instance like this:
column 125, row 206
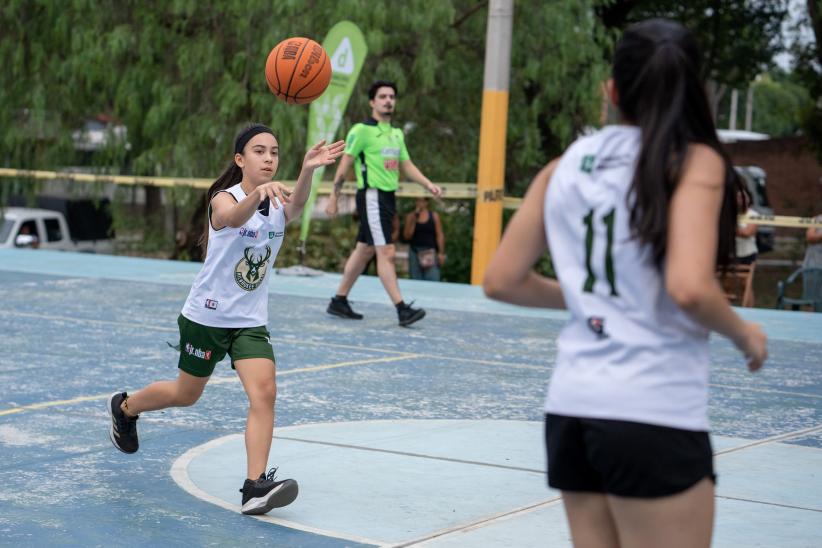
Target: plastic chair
column 737, row 284
column 811, row 290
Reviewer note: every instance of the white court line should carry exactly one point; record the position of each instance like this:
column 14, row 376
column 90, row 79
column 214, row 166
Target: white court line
column 490, row 519
column 772, row 439
column 290, row 340
column 179, row 472
column 482, row 522
column 217, row 380
column 410, row 454
column 294, row 340
column 55, row 403
column 235, row 378
column 423, row 541
column 792, row 507
column 766, row 390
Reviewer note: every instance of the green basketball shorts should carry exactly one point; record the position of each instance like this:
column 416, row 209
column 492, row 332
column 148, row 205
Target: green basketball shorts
column 201, row 346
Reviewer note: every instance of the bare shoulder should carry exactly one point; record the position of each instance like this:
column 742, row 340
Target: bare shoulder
column 547, row 171
column 543, row 177
column 703, row 165
column 223, row 198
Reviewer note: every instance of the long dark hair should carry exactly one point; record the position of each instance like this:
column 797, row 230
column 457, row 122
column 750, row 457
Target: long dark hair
column 656, row 74
column 232, row 175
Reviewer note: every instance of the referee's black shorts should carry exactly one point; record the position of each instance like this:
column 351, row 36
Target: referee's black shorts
column 626, row 459
column 376, row 209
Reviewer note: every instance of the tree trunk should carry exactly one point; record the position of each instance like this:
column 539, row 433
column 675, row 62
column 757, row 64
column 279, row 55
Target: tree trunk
column 715, row 93
column 153, row 201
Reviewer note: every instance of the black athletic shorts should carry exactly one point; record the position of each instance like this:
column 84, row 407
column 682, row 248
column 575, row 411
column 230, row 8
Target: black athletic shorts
column 627, row 459
column 376, row 209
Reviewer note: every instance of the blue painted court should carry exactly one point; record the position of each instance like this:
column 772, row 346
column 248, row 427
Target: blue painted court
column 427, row 436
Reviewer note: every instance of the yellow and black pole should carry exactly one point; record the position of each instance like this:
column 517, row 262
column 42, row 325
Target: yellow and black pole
column 491, row 171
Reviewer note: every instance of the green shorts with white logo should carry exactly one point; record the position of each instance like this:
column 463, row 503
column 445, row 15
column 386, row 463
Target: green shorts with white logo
column 201, row 346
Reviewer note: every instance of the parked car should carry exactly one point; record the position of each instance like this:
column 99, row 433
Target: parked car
column 46, row 229
column 755, row 179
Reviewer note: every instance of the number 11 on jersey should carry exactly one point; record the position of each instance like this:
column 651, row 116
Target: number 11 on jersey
column 588, row 221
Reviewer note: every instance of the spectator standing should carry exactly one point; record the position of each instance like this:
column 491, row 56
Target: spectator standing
column 423, row 231
column 813, row 253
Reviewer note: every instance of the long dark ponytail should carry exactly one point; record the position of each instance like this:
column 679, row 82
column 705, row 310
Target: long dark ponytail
column 656, row 74
column 232, row 175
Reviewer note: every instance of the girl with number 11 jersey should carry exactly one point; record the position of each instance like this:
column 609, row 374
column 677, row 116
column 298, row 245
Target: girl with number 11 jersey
column 637, row 217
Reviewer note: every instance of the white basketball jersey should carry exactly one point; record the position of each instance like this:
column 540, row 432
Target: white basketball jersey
column 628, row 352
column 231, row 290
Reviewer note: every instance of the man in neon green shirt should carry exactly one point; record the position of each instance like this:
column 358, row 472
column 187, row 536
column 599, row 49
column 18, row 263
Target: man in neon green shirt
column 377, row 151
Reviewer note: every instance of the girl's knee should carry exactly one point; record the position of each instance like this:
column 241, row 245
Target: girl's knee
column 264, row 394
column 187, row 396
column 187, row 399
column 388, row 253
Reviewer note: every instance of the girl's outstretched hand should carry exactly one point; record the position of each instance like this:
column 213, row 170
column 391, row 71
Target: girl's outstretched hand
column 322, row 154
column 275, row 189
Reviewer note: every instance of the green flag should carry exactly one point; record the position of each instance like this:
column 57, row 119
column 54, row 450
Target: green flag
column 346, row 47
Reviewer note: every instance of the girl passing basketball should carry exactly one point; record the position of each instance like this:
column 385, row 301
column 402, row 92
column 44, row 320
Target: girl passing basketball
column 227, row 308
column 636, row 217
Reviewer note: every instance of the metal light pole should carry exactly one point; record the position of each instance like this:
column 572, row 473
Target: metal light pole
column 491, row 172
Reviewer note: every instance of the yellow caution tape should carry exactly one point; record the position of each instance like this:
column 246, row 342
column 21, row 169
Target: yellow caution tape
column 450, row 191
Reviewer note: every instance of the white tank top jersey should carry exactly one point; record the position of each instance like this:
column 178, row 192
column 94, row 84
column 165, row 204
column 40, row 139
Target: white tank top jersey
column 746, row 245
column 231, row 289
column 628, row 352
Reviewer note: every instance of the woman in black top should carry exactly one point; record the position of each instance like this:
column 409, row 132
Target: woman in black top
column 423, row 230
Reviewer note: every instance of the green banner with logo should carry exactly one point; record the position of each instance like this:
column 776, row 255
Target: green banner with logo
column 345, row 45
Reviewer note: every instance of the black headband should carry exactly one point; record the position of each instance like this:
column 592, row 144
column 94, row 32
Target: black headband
column 244, row 137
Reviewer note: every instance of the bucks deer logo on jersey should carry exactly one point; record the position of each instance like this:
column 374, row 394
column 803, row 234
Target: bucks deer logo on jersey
column 250, row 271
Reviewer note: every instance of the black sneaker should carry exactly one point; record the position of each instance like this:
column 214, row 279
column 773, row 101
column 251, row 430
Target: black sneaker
column 263, row 494
column 123, row 432
column 408, row 315
column 340, row 307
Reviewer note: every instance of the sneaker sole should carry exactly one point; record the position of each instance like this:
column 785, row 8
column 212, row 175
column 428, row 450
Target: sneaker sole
column 415, row 318
column 282, row 495
column 111, row 435
column 341, row 315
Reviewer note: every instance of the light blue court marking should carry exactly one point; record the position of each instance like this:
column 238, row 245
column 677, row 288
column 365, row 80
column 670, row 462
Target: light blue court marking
column 456, row 483
column 444, row 296
column 752, row 473
column 90, row 324
column 779, row 324
column 388, row 482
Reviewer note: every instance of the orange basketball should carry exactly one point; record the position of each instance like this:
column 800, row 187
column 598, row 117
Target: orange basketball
column 298, row 70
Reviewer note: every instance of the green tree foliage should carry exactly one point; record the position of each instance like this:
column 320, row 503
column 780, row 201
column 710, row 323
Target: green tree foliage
column 779, row 103
column 183, row 76
column 808, row 71
column 738, row 38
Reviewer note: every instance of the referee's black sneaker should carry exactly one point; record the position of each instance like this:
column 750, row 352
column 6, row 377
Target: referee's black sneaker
column 123, row 431
column 339, row 306
column 263, row 494
column 408, row 315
